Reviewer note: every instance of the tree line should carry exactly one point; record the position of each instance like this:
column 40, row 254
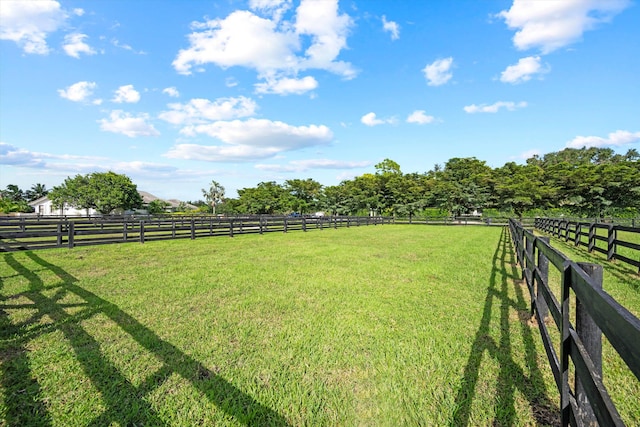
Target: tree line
column 592, row 182
column 583, row 182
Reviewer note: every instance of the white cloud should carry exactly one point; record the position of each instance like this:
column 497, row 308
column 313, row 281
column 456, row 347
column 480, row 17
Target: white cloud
column 125, row 46
column 275, row 49
column 494, row 108
column 28, row 23
column 126, row 94
column 79, row 92
column 274, row 8
column 250, row 140
column 328, row 30
column 14, row 156
column 438, row 72
column 78, row 11
column 198, row 110
column 63, row 165
column 523, row 70
column 370, row 119
column 419, row 117
column 305, row 165
column 241, row 39
column 127, row 124
column 392, row 27
column 171, row 91
column 550, row 25
column 529, row 154
column 287, row 86
column 617, row 138
column 74, row 45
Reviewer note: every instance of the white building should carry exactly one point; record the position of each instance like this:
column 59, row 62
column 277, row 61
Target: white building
column 44, row 207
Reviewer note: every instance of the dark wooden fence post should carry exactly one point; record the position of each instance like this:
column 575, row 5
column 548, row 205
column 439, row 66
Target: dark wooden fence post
column 141, row 231
column 591, row 338
column 592, row 236
column 124, row 231
column 611, row 242
column 578, row 236
column 193, row 228
column 260, row 223
column 530, row 266
column 304, row 224
column 565, row 346
column 286, row 225
column 543, row 268
column 58, row 235
column 72, row 232
column 230, row 228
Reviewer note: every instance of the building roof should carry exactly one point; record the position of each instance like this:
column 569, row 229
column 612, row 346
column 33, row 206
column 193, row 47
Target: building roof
column 38, row 201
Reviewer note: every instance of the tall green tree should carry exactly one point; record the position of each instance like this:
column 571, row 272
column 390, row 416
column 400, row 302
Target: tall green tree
column 36, row 191
column 521, row 187
column 305, row 193
column 463, row 185
column 103, row 191
column 267, row 198
column 72, row 192
column 214, row 195
column 13, row 193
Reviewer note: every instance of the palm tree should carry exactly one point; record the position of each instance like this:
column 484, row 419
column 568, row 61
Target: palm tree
column 37, row 191
column 213, row 195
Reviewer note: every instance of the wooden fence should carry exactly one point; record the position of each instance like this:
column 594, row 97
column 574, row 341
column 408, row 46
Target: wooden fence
column 590, row 235
column 42, row 233
column 459, row 220
column 587, row 400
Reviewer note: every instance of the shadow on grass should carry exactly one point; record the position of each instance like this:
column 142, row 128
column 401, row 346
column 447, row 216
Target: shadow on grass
column 125, row 403
column 512, row 377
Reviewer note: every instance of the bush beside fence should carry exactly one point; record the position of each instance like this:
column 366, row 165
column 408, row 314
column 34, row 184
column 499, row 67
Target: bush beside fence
column 587, row 400
column 42, row 233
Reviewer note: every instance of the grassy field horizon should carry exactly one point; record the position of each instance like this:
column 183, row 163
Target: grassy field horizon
column 384, row 325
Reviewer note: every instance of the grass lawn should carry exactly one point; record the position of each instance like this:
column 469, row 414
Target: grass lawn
column 385, row 325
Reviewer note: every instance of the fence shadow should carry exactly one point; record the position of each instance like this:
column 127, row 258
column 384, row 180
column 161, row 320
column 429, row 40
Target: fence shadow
column 528, row 380
column 24, row 400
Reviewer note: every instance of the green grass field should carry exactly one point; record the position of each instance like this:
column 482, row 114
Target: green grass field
column 385, row 325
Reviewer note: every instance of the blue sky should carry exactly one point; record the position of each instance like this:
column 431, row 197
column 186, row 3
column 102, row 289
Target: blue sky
column 175, row 94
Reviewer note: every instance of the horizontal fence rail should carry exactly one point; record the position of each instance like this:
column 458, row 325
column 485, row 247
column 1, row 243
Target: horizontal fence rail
column 459, row 220
column 42, row 233
column 595, row 236
column 587, row 401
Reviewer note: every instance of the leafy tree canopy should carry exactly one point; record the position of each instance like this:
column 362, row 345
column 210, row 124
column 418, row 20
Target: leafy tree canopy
column 103, row 191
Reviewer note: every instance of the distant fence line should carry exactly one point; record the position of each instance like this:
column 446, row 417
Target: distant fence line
column 585, row 234
column 459, row 220
column 587, row 400
column 42, row 233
